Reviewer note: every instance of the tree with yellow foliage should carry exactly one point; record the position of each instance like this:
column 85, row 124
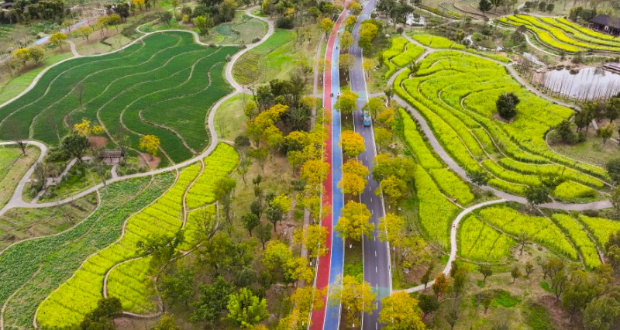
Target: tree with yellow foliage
column 138, row 3
column 57, row 39
column 352, row 184
column 400, row 311
column 313, row 237
column 354, row 166
column 22, row 55
column 356, row 298
column 347, row 102
column 83, row 127
column 355, row 7
column 314, row 172
column 351, row 20
column 353, row 224
column 150, row 144
column 326, row 25
column 352, row 143
column 392, row 187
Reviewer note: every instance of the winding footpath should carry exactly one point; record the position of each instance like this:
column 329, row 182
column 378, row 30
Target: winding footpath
column 17, row 200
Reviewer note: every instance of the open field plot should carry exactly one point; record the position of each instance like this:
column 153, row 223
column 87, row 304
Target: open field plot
column 563, row 35
column 439, row 42
column 478, row 241
column 435, row 211
column 13, row 166
column 163, row 85
column 79, row 295
column 456, row 93
column 266, row 61
column 22, row 223
column 40, row 265
column 561, row 233
column 242, row 30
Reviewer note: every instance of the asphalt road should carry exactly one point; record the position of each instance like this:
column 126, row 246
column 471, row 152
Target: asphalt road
column 376, row 253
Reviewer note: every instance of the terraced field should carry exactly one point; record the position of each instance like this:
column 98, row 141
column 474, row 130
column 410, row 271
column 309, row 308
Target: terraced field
column 563, row 35
column 456, row 94
column 490, row 233
column 79, row 295
column 162, row 85
column 401, row 53
column 32, row 269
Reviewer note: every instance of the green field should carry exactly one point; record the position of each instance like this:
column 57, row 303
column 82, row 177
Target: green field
column 456, row 93
column 13, row 166
column 40, row 265
column 272, row 59
column 22, row 223
column 164, row 86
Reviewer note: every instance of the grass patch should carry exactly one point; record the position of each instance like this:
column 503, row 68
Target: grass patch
column 10, row 176
column 21, row 223
column 505, row 299
column 229, row 119
column 536, row 317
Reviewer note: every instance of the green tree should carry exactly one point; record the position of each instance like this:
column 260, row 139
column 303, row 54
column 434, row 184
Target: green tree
column 374, row 106
column 486, row 271
column 178, row 287
column 165, row 17
column 537, row 194
column 613, row 168
column 515, row 273
column 346, row 40
column 75, row 145
column 212, row 301
column 37, row 53
column 166, row 322
column 484, row 6
column 428, row 303
column 605, row 132
column 203, row 23
column 601, row 314
column 507, row 105
column 263, row 232
column 245, row 309
column 250, row 221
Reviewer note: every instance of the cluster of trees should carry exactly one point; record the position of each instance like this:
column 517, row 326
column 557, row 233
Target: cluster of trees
column 542, row 6
column 486, row 5
column 592, row 110
column 397, row 11
column 204, row 16
column 20, row 57
column 582, row 13
column 291, row 13
column 23, row 11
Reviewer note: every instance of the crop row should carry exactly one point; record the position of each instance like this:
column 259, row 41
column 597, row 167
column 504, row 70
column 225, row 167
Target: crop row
column 581, row 33
column 539, row 229
column 580, row 237
column 435, row 212
column 569, row 190
column 133, row 285
column 59, row 256
column 600, row 228
column 477, row 241
column 79, row 295
column 434, row 41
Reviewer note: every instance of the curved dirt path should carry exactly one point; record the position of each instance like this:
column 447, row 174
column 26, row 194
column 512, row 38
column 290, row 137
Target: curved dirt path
column 17, row 199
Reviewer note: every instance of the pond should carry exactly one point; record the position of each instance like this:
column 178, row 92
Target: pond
column 587, row 84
